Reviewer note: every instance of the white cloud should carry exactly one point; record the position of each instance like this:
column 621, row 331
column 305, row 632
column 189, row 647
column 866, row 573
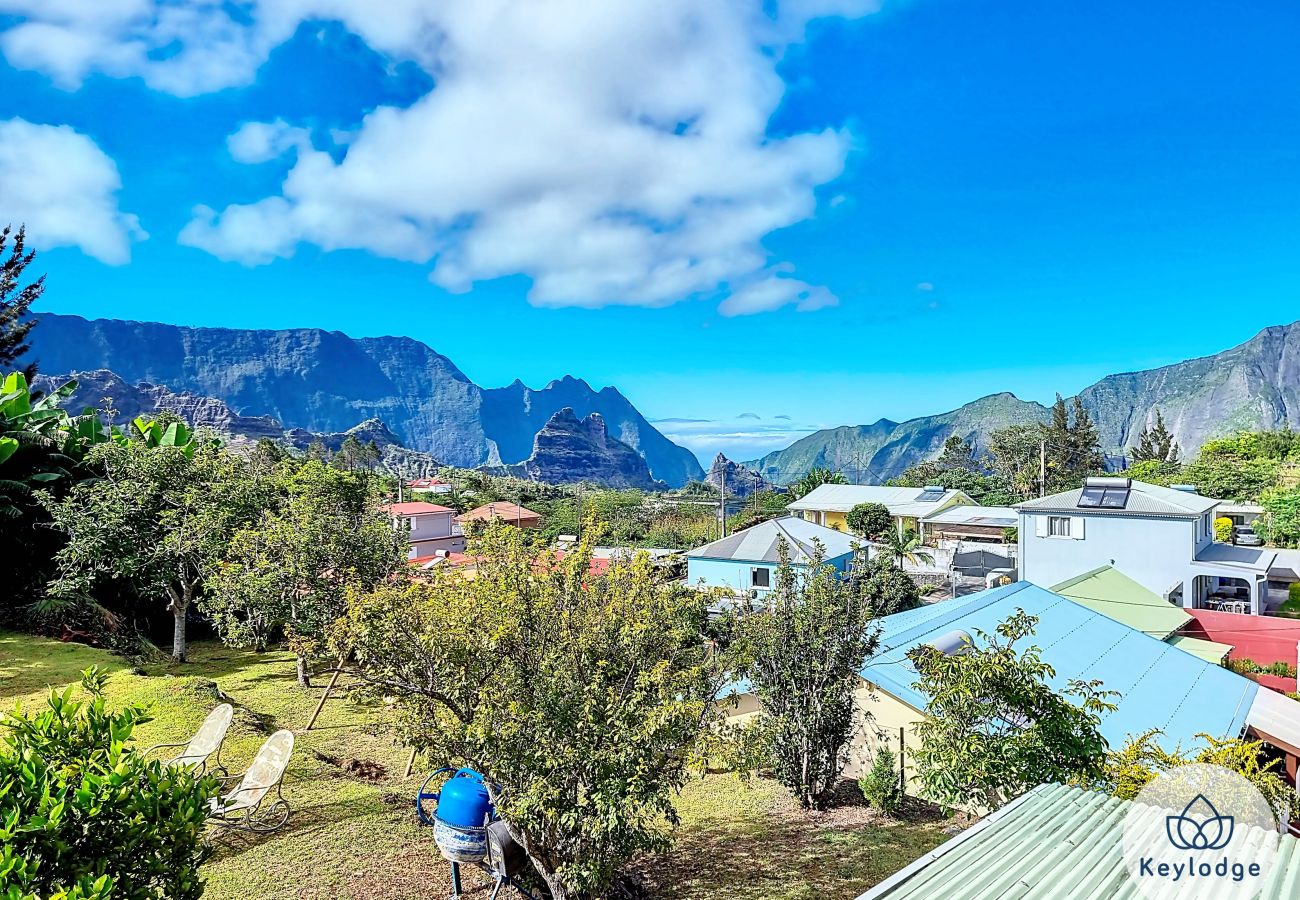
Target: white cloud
column 258, row 142
column 613, row 153
column 64, row 188
column 775, row 292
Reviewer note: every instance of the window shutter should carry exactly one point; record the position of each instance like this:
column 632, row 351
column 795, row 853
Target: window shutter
column 1076, row 527
column 1040, row 526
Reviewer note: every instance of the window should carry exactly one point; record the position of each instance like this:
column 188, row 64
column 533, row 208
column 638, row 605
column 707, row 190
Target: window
column 760, row 578
column 1058, row 526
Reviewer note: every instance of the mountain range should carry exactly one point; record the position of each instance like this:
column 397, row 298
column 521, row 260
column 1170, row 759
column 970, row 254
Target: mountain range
column 1255, row 385
column 326, row 382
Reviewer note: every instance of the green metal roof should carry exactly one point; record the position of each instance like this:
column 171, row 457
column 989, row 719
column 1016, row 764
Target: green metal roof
column 1210, row 651
column 1113, row 594
column 1054, row 842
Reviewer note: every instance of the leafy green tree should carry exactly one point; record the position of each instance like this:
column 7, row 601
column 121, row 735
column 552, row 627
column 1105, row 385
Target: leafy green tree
column 1223, row 530
column 582, row 696
column 1135, row 765
column 806, row 648
column 761, row 506
column 157, row 521
column 288, row 569
column 1155, row 442
column 1280, row 523
column 83, row 815
column 16, row 300
column 353, row 455
column 1014, row 457
column 42, row 447
column 887, row 587
column 1073, row 447
column 870, row 520
column 996, row 727
column 813, row 479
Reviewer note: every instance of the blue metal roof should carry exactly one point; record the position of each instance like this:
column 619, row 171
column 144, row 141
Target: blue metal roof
column 1159, row 685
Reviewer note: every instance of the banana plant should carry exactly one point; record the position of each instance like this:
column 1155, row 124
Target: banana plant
column 156, row 433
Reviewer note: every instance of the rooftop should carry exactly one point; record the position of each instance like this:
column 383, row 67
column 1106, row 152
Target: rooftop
column 1054, row 842
column 993, row 516
column 1112, row 593
column 1140, row 499
column 902, row 501
column 415, row 508
column 500, row 509
column 1159, row 685
column 759, row 543
column 1253, row 559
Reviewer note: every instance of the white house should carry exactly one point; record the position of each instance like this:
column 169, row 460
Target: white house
column 829, row 504
column 427, row 486
column 428, row 526
column 746, row 561
column 1162, row 538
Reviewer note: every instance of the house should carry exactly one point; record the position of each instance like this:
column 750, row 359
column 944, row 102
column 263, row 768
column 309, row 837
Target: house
column 430, row 528
column 1110, row 592
column 428, row 486
column 747, row 560
column 1058, row 841
column 1161, row 537
column 510, row 513
column 988, row 524
column 1159, row 686
column 829, row 504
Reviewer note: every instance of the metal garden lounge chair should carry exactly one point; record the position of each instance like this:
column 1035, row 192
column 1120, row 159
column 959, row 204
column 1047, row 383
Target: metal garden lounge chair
column 205, row 743
column 251, row 806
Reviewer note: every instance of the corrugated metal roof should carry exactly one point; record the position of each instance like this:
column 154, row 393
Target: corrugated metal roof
column 995, row 516
column 1144, row 500
column 1210, row 651
column 1159, row 685
column 902, row 501
column 1110, row 592
column 1276, row 716
column 759, row 543
column 1055, row 842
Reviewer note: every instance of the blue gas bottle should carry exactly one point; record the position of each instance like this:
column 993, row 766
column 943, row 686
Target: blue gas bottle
column 464, row 800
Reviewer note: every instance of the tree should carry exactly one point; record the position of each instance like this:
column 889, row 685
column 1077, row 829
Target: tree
column 1014, row 457
column 881, row 786
column 354, row 455
column 157, row 521
column 290, row 567
column 83, row 812
column 870, row 520
column 887, row 587
column 1141, row 759
column 580, row 697
column 1223, row 530
column 813, row 479
column 996, row 728
column 905, row 547
column 1280, row 523
column 41, row 448
column 1155, row 442
column 807, row 646
column 16, row 300
column 1072, row 445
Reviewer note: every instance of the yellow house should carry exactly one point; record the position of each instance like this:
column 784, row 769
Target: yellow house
column 829, row 504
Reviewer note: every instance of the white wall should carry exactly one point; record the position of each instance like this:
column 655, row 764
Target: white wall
column 1156, row 553
column 429, row 526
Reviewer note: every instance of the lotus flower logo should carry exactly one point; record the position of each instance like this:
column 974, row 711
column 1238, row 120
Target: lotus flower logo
column 1199, row 827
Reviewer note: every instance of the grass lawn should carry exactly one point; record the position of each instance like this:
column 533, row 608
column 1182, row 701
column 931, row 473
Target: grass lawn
column 353, row 833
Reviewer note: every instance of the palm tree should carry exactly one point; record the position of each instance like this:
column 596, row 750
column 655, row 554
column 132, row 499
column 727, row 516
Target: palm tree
column 815, row 478
column 905, row 546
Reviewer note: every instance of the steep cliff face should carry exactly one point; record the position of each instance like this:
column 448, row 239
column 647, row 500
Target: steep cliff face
column 325, row 381
column 1255, row 385
column 737, row 480
column 569, row 449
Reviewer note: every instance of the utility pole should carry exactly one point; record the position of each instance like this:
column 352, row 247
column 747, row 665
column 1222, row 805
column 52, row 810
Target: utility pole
column 1042, row 468
column 722, row 506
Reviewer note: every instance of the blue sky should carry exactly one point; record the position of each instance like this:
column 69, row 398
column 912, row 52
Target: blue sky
column 764, row 219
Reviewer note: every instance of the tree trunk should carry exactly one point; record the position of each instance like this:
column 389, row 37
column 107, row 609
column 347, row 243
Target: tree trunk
column 179, row 607
column 304, row 676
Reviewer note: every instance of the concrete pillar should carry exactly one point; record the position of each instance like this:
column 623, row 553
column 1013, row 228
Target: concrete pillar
column 1189, row 593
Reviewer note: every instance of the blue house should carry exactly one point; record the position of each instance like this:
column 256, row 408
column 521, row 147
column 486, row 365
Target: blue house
column 747, row 560
column 1158, row 684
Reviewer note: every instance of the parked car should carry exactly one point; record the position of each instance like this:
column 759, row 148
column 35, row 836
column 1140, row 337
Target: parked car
column 1245, row 536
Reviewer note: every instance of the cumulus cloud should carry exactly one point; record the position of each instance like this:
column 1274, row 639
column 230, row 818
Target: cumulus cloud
column 58, row 182
column 612, row 153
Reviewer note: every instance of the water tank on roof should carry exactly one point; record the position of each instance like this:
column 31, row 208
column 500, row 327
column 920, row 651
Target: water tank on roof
column 953, row 643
